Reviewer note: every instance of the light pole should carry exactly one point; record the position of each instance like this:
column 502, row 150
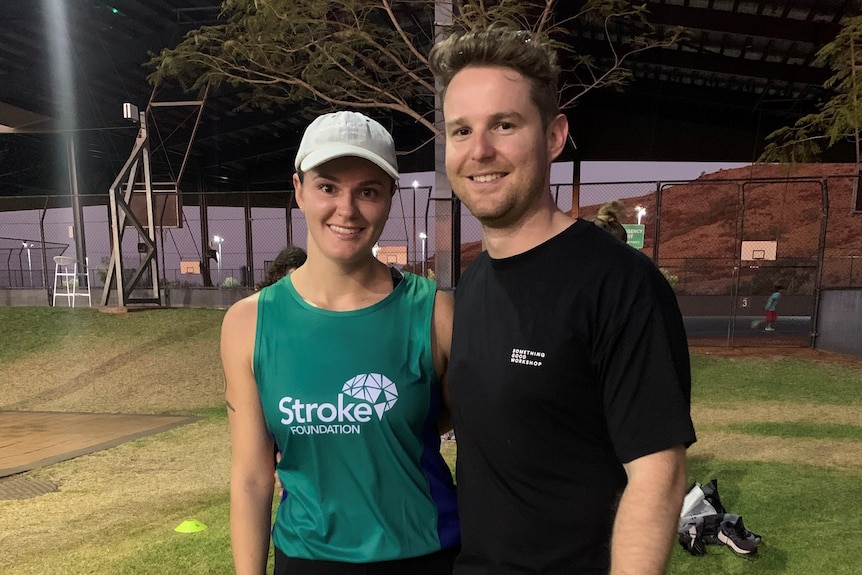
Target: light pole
column 218, row 240
column 415, row 187
column 423, row 236
column 29, row 262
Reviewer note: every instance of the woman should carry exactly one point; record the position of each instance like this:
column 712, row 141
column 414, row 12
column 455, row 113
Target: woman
column 287, row 260
column 608, row 218
column 342, row 364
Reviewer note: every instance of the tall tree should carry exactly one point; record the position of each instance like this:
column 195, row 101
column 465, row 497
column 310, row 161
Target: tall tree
column 373, row 53
column 840, row 117
column 334, row 54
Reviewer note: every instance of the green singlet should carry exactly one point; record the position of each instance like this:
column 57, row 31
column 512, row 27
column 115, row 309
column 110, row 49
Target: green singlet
column 352, row 400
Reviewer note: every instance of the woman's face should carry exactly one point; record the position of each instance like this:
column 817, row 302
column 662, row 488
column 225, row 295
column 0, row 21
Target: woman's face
column 346, row 203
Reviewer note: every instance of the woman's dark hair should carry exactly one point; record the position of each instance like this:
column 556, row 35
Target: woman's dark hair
column 285, row 262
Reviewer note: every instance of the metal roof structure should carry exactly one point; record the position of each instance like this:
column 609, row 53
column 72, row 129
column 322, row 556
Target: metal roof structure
column 742, row 69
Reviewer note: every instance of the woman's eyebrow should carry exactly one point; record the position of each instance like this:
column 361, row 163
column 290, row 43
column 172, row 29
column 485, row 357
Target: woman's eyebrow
column 337, row 180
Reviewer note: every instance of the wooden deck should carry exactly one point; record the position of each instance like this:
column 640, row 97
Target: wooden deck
column 30, row 439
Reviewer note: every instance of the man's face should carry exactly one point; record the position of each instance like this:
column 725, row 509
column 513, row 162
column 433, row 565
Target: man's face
column 497, row 152
column 346, row 203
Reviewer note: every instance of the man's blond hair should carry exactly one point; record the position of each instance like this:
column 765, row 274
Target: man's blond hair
column 504, row 47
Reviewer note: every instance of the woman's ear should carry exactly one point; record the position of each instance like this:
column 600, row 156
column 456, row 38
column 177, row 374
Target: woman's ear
column 297, row 192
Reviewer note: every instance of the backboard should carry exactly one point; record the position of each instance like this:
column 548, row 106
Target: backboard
column 759, row 251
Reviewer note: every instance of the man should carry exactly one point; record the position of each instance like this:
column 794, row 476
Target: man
column 569, row 374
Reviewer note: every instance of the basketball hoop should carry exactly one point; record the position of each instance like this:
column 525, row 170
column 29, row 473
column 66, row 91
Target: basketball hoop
column 758, row 251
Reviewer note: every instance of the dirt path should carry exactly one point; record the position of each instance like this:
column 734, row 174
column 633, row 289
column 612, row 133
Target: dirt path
column 801, row 352
column 845, row 455
column 776, row 411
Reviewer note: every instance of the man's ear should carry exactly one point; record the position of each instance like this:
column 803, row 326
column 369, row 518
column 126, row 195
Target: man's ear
column 557, row 133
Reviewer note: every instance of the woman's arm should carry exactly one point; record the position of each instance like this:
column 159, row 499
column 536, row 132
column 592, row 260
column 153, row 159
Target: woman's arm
column 251, row 476
column 441, row 342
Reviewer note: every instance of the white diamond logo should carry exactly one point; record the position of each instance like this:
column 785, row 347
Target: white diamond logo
column 375, row 388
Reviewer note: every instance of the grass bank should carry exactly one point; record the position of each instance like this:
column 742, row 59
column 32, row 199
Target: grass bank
column 781, row 435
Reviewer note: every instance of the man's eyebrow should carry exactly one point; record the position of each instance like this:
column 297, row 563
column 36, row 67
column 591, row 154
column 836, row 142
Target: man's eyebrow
column 505, row 116
column 454, row 122
column 493, row 119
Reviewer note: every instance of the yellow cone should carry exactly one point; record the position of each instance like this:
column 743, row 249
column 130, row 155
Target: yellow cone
column 190, row 526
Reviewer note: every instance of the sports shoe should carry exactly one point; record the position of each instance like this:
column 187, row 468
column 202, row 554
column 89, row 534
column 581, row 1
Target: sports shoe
column 749, row 535
column 734, row 535
column 691, row 540
column 769, row 329
column 740, row 528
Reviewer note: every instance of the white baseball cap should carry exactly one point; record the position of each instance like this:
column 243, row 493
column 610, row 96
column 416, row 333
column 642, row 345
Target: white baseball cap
column 342, row 134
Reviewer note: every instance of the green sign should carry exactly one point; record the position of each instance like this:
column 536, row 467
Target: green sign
column 635, row 233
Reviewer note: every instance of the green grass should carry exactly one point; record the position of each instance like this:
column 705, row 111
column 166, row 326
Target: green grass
column 159, row 549
column 217, row 412
column 38, row 329
column 717, row 381
column 806, row 514
column 153, row 549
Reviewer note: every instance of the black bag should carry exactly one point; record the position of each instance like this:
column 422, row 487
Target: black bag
column 705, row 521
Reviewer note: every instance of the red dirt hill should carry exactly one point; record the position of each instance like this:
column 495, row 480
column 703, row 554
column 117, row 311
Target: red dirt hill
column 701, row 221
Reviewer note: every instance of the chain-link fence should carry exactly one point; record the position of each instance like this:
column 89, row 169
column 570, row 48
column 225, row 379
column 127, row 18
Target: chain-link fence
column 222, row 240
column 725, row 244
column 696, row 232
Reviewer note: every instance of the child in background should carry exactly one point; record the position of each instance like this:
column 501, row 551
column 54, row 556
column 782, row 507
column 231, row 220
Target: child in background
column 771, row 308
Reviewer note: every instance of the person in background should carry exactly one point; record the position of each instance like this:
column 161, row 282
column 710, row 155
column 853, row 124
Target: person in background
column 287, row 260
column 569, row 372
column 342, row 365
column 608, row 218
column 772, row 307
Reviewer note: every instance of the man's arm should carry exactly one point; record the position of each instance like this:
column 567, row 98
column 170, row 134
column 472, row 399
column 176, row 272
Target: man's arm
column 648, row 513
column 251, row 475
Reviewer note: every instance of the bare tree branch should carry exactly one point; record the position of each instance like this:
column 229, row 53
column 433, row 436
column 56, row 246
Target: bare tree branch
column 372, row 54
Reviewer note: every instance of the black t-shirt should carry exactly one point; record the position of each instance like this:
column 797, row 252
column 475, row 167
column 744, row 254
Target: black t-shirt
column 566, row 361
